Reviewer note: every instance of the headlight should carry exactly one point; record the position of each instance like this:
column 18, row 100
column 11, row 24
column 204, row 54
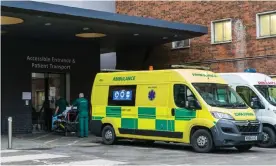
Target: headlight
column 220, row 115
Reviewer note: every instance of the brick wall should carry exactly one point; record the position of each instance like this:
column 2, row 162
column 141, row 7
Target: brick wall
column 230, row 57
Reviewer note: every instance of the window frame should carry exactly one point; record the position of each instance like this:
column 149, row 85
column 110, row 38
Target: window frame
column 130, row 103
column 258, row 24
column 186, row 88
column 213, row 33
column 176, row 48
column 253, row 90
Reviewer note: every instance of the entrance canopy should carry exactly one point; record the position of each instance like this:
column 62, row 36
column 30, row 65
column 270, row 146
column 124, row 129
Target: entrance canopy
column 55, row 22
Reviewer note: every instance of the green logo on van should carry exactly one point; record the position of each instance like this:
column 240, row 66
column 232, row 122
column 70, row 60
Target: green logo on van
column 244, row 114
column 204, row 75
column 128, row 78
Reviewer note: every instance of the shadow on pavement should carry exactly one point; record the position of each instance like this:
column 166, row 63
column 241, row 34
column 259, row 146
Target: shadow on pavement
column 178, row 147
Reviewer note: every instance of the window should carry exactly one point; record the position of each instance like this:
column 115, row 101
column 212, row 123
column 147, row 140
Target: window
column 181, row 44
column 219, row 95
column 122, row 95
column 248, row 95
column 182, row 94
column 221, row 31
column 268, row 92
column 266, row 24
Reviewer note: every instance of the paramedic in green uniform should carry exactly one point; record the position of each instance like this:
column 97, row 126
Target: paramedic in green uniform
column 61, row 105
column 82, row 105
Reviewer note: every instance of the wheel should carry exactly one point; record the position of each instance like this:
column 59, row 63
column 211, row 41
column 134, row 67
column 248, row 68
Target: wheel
column 269, row 138
column 108, row 135
column 243, row 148
column 202, row 141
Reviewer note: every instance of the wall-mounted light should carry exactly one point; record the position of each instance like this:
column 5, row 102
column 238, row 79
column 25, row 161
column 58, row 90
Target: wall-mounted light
column 48, row 24
column 85, row 28
column 165, row 38
column 90, row 35
column 5, row 20
column 136, row 34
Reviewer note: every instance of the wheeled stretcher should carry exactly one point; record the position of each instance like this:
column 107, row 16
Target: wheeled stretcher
column 66, row 121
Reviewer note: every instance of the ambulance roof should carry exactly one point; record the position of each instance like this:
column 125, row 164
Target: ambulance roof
column 154, row 76
column 249, row 78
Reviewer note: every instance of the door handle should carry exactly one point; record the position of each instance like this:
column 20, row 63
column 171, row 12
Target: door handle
column 173, row 111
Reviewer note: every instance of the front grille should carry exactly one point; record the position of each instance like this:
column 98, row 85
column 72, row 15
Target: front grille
column 248, row 127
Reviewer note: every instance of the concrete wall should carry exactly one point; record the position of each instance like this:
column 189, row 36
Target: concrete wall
column 245, row 51
column 16, row 74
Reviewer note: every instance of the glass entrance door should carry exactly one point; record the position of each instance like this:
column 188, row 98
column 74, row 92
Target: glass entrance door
column 46, row 87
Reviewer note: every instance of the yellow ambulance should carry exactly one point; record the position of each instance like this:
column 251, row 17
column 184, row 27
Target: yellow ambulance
column 191, row 106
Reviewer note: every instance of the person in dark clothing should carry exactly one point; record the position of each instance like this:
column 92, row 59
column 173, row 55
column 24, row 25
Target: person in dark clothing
column 47, row 115
column 61, row 105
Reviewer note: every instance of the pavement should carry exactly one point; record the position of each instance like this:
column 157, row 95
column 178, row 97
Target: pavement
column 55, row 149
column 46, row 140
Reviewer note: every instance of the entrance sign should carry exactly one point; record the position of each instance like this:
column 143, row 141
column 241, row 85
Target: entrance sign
column 51, row 62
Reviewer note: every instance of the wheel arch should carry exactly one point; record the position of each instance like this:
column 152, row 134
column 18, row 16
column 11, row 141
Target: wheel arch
column 197, row 127
column 270, row 126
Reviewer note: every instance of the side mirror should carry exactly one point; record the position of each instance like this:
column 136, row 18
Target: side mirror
column 192, row 104
column 253, row 104
column 256, row 104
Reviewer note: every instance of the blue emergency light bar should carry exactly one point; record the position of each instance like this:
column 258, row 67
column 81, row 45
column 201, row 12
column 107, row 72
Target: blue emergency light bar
column 250, row 70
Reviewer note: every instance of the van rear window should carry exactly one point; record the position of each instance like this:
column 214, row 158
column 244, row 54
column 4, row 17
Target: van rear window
column 122, row 95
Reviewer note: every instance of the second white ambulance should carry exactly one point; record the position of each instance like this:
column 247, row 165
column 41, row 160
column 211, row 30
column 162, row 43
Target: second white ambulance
column 259, row 92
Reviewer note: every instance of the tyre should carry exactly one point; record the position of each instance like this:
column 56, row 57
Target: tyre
column 202, row 141
column 244, row 148
column 108, row 135
column 269, row 138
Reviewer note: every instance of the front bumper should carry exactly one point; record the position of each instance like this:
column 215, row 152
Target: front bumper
column 233, row 133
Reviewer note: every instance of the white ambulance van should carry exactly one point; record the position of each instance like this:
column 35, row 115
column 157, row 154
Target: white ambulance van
column 259, row 92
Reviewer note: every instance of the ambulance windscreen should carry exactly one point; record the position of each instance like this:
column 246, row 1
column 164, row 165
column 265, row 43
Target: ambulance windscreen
column 219, row 95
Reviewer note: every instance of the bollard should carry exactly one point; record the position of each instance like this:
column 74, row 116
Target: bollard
column 10, row 132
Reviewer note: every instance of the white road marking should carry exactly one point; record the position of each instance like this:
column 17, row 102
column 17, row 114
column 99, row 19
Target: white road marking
column 73, row 143
column 9, row 151
column 29, row 157
column 51, row 141
column 41, row 136
column 93, row 162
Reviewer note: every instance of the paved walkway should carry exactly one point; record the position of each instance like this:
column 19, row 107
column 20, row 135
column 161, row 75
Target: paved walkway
column 47, row 140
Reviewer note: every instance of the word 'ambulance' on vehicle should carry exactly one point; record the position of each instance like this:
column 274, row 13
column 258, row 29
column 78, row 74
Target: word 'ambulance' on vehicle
column 259, row 92
column 189, row 106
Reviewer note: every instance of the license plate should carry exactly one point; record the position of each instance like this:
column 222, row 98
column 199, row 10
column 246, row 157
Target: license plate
column 251, row 138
